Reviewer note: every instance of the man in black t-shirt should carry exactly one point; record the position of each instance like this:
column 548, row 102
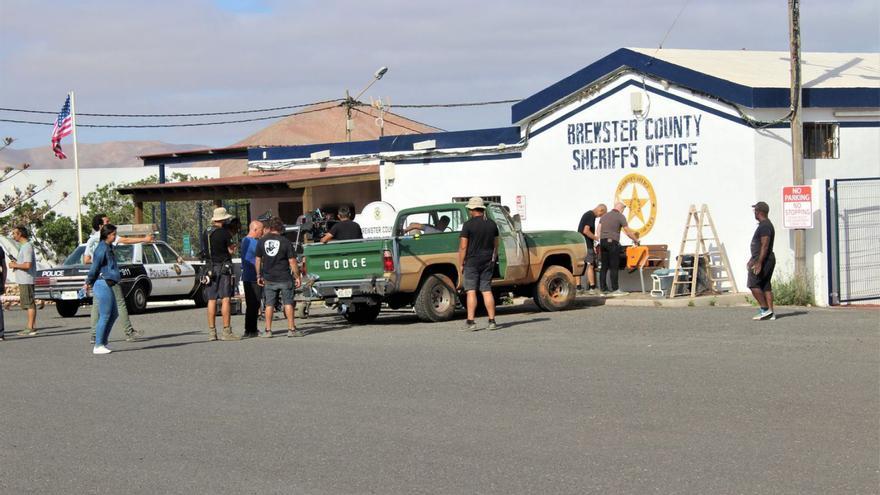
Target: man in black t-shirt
column 278, row 273
column 587, row 227
column 217, row 249
column 345, row 229
column 477, row 253
column 762, row 262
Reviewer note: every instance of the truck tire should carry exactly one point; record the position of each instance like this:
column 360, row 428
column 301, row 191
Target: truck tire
column 555, row 289
column 436, row 298
column 136, row 302
column 67, row 309
column 363, row 313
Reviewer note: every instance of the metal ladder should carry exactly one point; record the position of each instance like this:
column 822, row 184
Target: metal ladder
column 697, row 221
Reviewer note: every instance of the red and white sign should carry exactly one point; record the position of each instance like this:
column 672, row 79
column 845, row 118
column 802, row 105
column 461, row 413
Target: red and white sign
column 797, row 207
column 521, row 207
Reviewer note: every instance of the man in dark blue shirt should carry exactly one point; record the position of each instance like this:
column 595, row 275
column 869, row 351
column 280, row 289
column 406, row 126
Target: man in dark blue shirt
column 253, row 293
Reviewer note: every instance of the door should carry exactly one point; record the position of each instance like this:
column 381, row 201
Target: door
column 853, row 225
column 183, row 275
column 513, row 256
column 160, row 274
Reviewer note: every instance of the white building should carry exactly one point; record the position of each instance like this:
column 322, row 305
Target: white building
column 662, row 130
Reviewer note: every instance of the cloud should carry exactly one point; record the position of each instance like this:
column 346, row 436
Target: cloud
column 200, row 55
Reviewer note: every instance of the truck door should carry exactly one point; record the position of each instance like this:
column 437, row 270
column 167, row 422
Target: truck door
column 513, row 255
column 183, row 275
column 159, row 273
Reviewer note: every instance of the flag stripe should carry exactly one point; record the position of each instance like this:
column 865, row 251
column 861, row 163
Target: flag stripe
column 63, row 128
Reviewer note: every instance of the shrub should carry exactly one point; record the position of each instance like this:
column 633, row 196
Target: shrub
column 793, row 290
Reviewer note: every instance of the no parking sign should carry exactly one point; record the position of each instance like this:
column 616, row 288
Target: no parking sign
column 797, row 207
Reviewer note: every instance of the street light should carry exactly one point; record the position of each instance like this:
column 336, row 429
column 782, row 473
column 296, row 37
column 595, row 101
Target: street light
column 349, row 102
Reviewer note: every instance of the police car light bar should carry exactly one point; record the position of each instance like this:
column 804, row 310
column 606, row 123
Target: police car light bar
column 136, row 229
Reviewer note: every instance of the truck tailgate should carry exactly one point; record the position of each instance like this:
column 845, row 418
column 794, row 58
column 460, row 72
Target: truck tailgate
column 346, row 260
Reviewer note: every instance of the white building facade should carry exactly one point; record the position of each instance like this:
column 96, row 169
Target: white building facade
column 661, row 132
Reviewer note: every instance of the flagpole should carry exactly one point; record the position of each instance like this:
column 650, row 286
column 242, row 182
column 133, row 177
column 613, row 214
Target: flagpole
column 79, row 227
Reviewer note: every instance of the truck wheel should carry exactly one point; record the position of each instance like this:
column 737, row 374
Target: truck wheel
column 363, row 313
column 555, row 289
column 137, row 300
column 436, row 299
column 67, row 309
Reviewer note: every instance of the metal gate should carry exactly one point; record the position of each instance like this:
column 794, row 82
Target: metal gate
column 853, row 223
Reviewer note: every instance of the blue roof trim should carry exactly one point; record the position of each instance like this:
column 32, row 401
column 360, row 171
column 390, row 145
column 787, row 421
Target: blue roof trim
column 720, row 88
column 425, row 161
column 455, row 139
column 305, row 151
column 445, row 140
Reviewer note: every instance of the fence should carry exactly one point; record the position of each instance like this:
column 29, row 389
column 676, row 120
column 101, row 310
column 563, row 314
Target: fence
column 853, row 221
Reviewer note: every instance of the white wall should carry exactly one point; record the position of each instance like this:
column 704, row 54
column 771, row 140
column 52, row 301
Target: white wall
column 557, row 194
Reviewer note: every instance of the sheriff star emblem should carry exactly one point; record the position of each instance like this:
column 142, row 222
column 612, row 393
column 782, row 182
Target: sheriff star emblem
column 636, row 192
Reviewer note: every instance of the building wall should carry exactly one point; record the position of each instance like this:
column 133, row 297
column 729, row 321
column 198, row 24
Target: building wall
column 733, row 167
column 359, row 193
column 558, row 189
column 859, row 157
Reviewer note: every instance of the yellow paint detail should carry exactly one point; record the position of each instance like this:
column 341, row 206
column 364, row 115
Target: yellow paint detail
column 641, row 196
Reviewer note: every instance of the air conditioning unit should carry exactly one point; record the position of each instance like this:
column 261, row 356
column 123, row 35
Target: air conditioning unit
column 320, row 155
column 430, row 144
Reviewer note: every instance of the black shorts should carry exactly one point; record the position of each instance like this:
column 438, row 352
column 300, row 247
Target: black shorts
column 478, row 277
column 762, row 280
column 221, row 287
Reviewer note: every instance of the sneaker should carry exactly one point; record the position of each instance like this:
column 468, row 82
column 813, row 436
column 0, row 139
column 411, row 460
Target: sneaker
column 101, row 349
column 592, row 292
column 249, row 335
column 267, row 334
column 27, row 332
column 2, row 338
column 136, row 333
column 772, row 316
column 492, row 325
column 470, row 326
column 763, row 314
column 619, row 293
column 132, row 337
column 295, row 333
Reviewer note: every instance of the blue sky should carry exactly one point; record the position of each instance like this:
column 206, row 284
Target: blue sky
column 168, row 56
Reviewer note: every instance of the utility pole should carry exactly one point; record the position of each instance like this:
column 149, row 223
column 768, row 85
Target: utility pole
column 348, row 122
column 797, row 133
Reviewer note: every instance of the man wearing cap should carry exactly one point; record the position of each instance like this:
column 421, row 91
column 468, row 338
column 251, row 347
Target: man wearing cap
column 477, row 252
column 217, row 249
column 762, row 262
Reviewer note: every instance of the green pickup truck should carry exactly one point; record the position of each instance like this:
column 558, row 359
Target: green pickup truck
column 420, row 267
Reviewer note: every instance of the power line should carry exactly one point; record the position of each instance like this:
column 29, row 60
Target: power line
column 152, row 126
column 166, row 115
column 390, row 121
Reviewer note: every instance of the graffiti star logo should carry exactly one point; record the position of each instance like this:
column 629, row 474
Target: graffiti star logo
column 636, row 192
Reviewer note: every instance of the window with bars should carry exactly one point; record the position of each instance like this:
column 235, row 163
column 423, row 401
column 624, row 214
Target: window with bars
column 821, row 140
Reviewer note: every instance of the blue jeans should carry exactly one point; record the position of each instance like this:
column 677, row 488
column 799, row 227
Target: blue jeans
column 107, row 311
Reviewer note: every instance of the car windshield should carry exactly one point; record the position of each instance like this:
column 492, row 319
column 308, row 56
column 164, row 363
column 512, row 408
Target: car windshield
column 75, row 257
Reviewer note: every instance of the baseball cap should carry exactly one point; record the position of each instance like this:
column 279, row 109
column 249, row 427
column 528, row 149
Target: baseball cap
column 761, row 206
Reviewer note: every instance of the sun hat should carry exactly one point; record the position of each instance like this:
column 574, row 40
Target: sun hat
column 220, row 215
column 476, row 203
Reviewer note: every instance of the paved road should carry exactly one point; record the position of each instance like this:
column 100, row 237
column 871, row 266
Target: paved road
column 597, row 400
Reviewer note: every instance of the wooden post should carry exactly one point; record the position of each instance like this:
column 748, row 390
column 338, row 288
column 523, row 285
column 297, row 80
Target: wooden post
column 307, row 199
column 138, row 212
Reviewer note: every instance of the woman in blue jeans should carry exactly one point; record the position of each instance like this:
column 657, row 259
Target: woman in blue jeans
column 103, row 275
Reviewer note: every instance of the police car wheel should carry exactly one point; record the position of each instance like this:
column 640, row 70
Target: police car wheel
column 137, row 299
column 67, row 309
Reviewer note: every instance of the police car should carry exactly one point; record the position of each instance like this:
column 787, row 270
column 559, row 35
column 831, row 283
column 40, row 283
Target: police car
column 150, row 271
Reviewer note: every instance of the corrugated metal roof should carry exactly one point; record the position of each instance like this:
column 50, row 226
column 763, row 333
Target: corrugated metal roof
column 760, row 69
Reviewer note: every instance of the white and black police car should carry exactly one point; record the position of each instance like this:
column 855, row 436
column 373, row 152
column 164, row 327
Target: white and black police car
column 150, row 271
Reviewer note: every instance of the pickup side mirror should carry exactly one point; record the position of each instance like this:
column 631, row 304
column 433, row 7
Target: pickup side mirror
column 517, row 222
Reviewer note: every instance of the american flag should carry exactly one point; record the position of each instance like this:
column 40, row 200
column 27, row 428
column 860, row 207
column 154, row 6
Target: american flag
column 63, row 127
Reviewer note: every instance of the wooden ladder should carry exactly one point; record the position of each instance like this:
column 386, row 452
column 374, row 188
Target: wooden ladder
column 697, row 221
